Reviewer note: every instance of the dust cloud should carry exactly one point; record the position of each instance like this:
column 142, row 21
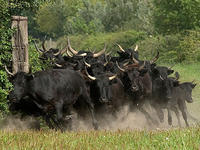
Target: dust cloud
column 124, row 119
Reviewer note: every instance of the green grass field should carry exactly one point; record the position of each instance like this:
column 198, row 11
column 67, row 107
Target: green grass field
column 178, row 139
column 173, row 138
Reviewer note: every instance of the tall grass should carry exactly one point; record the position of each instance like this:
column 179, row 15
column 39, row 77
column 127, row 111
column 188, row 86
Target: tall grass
column 182, row 139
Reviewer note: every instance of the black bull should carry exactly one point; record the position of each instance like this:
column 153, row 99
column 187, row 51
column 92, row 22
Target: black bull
column 54, row 92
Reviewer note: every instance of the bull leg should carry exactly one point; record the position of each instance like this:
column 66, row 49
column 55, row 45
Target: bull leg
column 48, row 122
column 182, row 107
column 59, row 113
column 91, row 109
column 147, row 115
column 159, row 112
column 169, row 116
column 177, row 115
column 94, row 121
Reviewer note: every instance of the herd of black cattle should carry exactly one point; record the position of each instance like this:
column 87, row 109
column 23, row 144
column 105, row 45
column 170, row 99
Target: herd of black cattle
column 93, row 83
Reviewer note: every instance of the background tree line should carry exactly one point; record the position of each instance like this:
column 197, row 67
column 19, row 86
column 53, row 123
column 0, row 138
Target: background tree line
column 170, row 26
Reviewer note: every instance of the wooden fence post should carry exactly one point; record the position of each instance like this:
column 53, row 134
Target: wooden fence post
column 20, row 44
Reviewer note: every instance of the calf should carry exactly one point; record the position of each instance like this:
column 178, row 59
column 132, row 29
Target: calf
column 180, row 94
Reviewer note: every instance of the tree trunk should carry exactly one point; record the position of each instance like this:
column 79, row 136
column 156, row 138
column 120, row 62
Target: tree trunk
column 20, row 44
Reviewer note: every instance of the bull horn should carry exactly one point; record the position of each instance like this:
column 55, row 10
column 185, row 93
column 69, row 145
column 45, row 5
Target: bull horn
column 171, row 67
column 123, row 70
column 136, row 48
column 121, row 49
column 106, row 60
column 112, row 77
column 56, row 54
column 37, row 47
column 101, row 52
column 58, row 65
column 68, row 53
column 141, row 67
column 63, row 51
column 155, row 58
column 108, row 53
column 88, row 65
column 70, row 48
column 89, row 76
column 84, row 54
column 161, row 77
column 43, row 46
column 177, row 75
column 126, row 63
column 135, row 60
column 12, row 74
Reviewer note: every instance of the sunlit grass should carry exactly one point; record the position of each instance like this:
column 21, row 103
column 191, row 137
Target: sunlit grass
column 186, row 138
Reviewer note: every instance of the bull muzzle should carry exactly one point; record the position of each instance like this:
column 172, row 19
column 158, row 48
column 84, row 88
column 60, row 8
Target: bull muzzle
column 103, row 100
column 134, row 88
column 190, row 100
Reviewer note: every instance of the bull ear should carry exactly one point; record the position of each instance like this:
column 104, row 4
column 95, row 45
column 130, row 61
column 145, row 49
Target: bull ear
column 193, row 85
column 169, row 71
column 176, row 83
column 30, row 77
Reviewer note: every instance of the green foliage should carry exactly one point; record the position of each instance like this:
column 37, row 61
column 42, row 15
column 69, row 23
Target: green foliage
column 175, row 48
column 36, row 64
column 96, row 42
column 64, row 17
column 52, row 16
column 7, row 9
column 173, row 16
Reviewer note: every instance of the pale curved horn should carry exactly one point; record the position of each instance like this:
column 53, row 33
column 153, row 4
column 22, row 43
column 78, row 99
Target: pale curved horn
column 120, row 48
column 89, row 76
column 106, row 60
column 177, row 75
column 58, row 65
column 171, row 66
column 37, row 47
column 68, row 53
column 70, row 48
column 43, row 46
column 126, row 63
column 136, row 48
column 84, row 54
column 63, row 50
column 161, row 77
column 123, row 70
column 141, row 67
column 155, row 58
column 101, row 52
column 135, row 60
column 56, row 54
column 112, row 77
column 12, row 74
column 88, row 65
